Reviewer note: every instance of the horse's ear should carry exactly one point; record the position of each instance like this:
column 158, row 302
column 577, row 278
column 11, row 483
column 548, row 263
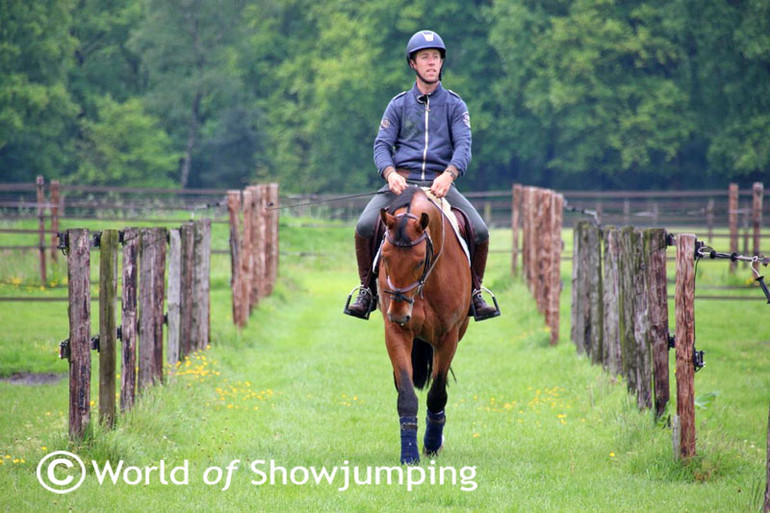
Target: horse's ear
column 388, row 219
column 424, row 220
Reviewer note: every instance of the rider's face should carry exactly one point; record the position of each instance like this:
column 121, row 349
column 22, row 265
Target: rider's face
column 427, row 63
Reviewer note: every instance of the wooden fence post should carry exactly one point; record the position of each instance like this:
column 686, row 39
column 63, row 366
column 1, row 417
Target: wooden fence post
column 259, row 244
column 756, row 214
column 174, row 295
column 249, row 246
column 587, row 296
column 201, row 287
column 79, row 288
column 611, row 353
column 108, row 328
column 186, row 235
column 272, row 260
column 628, row 265
column 152, row 267
column 579, row 288
column 655, row 262
column 234, row 210
column 515, row 216
column 544, row 253
column 732, row 210
column 128, row 327
column 525, row 204
column 40, row 183
column 552, row 308
column 685, row 342
column 54, row 220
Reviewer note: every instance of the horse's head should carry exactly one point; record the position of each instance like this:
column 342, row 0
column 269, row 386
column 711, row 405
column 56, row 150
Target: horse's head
column 405, row 258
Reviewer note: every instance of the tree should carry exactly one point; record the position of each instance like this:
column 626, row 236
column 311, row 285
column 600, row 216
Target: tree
column 187, row 51
column 124, row 147
column 36, row 108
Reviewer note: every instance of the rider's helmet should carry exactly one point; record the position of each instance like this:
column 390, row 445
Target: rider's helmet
column 423, row 40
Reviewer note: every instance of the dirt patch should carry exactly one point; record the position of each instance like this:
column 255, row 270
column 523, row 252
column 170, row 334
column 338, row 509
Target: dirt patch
column 32, row 378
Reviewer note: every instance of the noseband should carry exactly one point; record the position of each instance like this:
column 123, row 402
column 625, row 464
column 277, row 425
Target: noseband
column 399, row 293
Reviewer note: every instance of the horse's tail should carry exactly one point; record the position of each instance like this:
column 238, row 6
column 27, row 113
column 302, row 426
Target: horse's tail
column 422, row 363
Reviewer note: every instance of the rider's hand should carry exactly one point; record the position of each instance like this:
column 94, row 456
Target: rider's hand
column 441, row 184
column 396, row 182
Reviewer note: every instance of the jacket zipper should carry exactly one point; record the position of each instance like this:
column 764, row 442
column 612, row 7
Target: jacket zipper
column 425, row 150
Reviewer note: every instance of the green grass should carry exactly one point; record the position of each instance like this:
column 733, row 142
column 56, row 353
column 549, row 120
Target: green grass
column 307, row 386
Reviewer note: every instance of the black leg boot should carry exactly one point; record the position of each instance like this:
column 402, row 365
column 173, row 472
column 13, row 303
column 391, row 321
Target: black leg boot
column 366, row 301
column 480, row 309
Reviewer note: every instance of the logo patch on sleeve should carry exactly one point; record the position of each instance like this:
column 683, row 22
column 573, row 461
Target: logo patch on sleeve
column 384, row 124
column 467, row 119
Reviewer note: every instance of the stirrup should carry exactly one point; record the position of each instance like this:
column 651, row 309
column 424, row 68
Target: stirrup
column 369, row 309
column 480, row 317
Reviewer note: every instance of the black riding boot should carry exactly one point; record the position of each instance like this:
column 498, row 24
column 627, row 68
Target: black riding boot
column 366, row 301
column 480, row 309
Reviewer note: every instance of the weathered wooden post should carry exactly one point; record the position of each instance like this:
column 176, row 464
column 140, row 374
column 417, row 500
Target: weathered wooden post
column 515, row 216
column 79, row 289
column 152, row 267
column 732, row 210
column 186, row 235
column 552, row 315
column 259, row 232
column 108, row 328
column 685, row 342
column 55, row 198
column 248, row 250
column 234, row 209
column 579, row 288
column 128, row 327
column 542, row 291
column 40, row 183
column 201, row 287
column 628, row 265
column 587, row 295
column 756, row 214
column 525, row 233
column 611, row 353
column 271, row 265
column 655, row 263
column 174, row 295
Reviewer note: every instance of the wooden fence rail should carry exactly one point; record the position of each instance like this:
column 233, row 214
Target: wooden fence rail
column 141, row 326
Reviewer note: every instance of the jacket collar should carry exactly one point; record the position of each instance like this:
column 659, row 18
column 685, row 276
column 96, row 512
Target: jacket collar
column 435, row 95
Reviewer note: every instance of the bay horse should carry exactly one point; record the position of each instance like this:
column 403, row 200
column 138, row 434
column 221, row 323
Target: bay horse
column 425, row 283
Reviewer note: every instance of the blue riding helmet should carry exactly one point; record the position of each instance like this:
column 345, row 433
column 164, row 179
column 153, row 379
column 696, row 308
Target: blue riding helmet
column 423, row 40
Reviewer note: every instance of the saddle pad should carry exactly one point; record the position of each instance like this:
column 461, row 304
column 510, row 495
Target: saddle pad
column 446, row 208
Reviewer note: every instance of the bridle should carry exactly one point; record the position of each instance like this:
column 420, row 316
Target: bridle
column 399, row 293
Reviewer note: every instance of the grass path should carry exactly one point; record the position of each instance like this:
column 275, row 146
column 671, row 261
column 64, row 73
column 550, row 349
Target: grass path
column 306, row 386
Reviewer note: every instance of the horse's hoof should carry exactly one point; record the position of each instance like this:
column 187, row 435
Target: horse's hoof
column 428, row 452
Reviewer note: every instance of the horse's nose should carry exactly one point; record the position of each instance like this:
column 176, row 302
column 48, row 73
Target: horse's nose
column 399, row 319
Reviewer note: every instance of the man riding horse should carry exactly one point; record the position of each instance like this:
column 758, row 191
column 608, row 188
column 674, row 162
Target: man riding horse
column 424, row 139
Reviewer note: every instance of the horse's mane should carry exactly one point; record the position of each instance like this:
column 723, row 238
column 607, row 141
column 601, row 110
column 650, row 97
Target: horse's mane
column 403, row 200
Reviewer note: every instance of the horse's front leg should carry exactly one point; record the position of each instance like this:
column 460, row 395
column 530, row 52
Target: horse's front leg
column 437, row 396
column 400, row 351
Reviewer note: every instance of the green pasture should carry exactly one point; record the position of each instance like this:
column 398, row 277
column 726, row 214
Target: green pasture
column 529, row 426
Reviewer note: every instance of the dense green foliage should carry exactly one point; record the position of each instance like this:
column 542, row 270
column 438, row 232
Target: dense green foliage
column 196, row 93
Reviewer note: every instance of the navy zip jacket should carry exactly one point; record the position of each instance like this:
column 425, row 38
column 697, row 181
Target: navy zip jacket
column 424, row 134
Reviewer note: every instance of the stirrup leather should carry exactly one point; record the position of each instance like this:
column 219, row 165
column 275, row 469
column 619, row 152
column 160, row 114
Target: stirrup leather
column 481, row 317
column 370, row 307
